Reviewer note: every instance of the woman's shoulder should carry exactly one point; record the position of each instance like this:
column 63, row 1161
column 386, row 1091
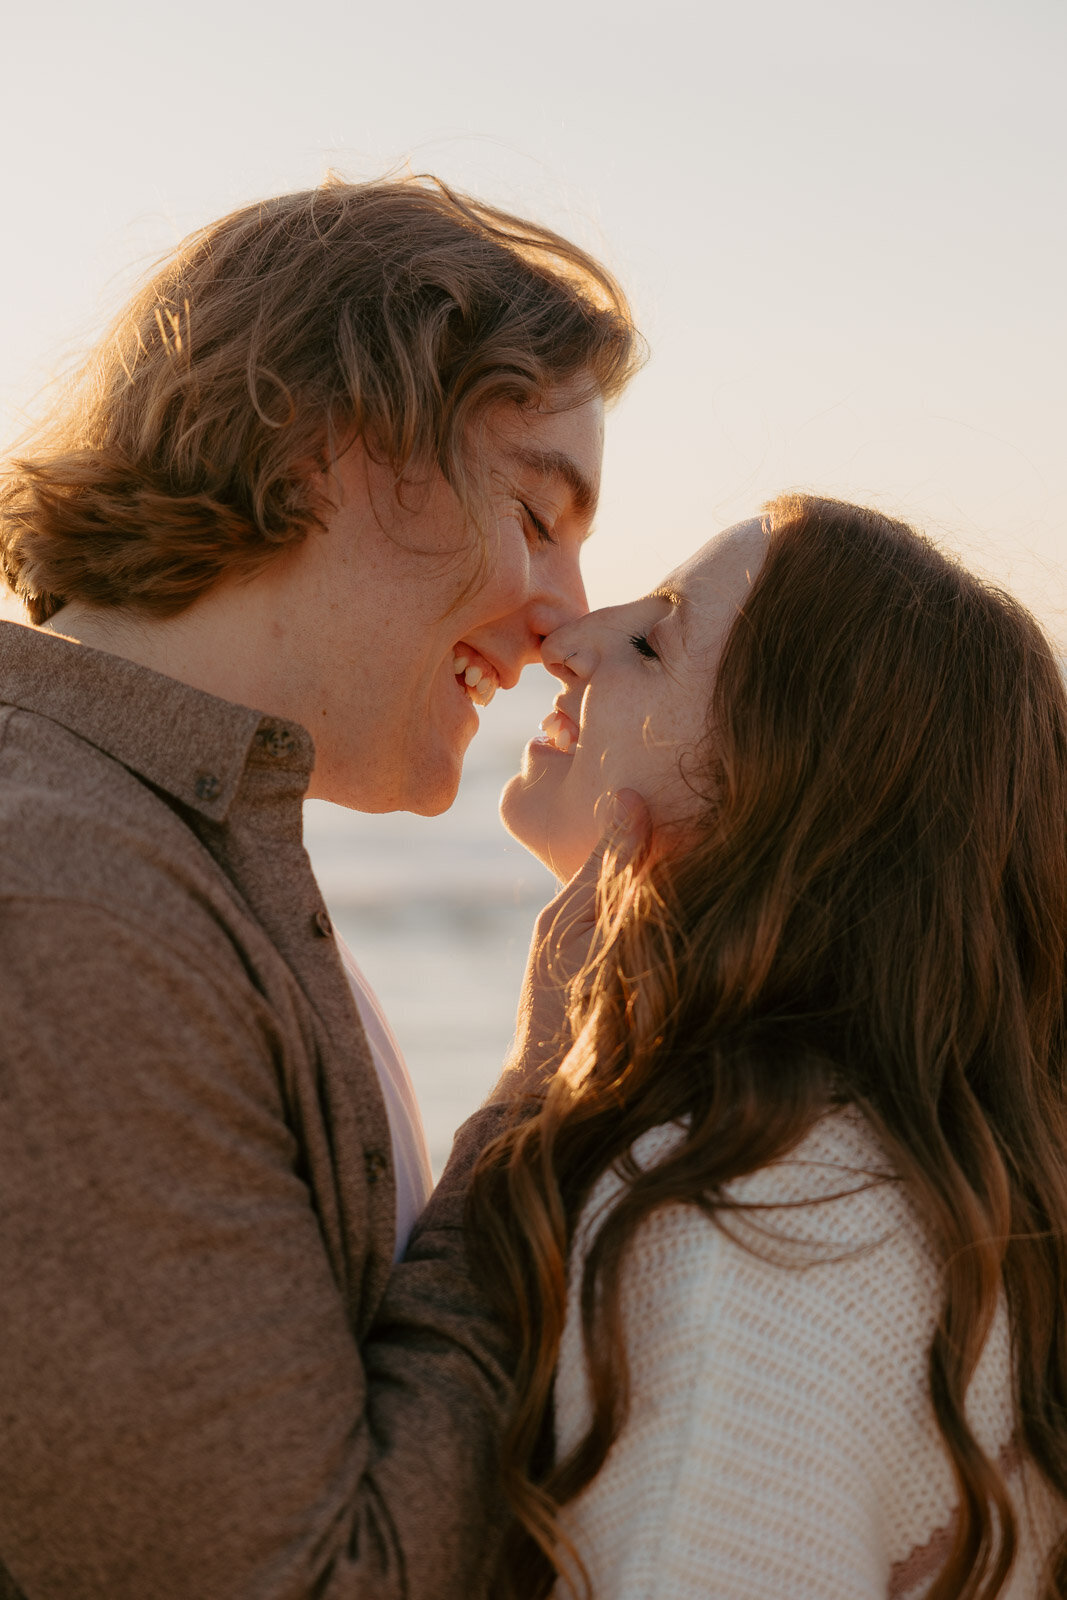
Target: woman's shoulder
column 798, row 1319
column 819, row 1261
column 820, row 1255
column 817, row 1266
column 833, row 1197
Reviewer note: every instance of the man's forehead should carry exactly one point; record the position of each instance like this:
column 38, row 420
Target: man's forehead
column 558, row 440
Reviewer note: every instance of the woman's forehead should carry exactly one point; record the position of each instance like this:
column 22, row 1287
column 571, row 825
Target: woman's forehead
column 723, row 568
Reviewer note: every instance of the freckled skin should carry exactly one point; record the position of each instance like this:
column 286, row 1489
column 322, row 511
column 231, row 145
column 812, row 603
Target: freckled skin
column 639, row 717
column 384, row 635
column 353, row 632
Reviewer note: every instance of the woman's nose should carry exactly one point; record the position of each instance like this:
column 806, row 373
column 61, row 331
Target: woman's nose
column 567, row 652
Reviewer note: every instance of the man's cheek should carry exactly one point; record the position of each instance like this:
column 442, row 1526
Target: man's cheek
column 506, row 555
column 514, row 576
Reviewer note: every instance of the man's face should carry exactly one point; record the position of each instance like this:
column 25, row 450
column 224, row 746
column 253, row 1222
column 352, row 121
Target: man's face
column 396, row 616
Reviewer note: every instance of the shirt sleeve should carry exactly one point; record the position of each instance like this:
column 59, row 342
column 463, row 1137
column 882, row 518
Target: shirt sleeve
column 184, row 1408
column 743, row 1471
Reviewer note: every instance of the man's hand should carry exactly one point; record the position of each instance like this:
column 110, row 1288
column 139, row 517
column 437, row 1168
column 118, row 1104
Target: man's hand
column 560, row 945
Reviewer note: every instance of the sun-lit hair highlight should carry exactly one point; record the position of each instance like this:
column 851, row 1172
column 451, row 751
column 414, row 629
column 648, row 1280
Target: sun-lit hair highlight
column 399, row 312
column 871, row 909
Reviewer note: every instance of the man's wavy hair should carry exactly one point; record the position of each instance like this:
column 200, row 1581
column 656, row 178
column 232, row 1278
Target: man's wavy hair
column 871, row 908
column 395, row 311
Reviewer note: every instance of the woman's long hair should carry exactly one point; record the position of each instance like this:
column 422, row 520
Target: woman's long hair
column 872, row 908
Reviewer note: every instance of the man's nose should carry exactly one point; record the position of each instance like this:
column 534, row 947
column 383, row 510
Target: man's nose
column 560, row 597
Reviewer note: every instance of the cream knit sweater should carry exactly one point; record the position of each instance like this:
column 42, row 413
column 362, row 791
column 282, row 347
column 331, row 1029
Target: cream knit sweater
column 781, row 1443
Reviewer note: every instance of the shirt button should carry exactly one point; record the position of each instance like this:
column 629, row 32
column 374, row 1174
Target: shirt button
column 208, row 786
column 376, row 1163
column 275, row 741
column 322, row 924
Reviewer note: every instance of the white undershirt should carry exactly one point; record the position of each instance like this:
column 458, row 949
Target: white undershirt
column 411, row 1156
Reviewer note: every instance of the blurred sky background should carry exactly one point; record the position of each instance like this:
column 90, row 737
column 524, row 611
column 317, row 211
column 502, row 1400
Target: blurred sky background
column 842, row 224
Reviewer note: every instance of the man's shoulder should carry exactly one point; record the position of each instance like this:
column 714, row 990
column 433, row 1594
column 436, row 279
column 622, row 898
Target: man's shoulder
column 77, row 825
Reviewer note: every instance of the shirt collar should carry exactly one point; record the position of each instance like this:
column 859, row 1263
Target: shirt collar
column 193, row 746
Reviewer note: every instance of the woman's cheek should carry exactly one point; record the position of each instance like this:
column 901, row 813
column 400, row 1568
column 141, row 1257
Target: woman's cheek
column 623, row 764
column 650, row 766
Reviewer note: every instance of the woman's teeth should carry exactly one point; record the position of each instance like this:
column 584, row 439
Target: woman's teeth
column 479, row 684
column 560, row 732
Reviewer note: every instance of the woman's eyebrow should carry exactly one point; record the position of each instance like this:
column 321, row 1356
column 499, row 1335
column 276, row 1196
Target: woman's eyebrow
column 677, row 599
column 558, row 464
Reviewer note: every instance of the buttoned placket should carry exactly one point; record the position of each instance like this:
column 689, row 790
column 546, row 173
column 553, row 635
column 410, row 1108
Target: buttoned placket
column 316, row 963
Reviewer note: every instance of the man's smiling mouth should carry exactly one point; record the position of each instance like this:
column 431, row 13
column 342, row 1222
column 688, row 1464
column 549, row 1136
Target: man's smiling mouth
column 477, row 676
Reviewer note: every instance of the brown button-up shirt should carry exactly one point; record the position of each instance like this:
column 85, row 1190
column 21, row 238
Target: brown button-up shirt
column 210, row 1384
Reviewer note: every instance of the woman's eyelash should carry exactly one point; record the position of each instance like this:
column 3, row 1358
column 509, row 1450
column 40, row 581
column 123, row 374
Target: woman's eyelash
column 642, row 646
column 542, row 530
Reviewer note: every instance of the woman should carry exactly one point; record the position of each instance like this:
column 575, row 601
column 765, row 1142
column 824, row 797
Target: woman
column 805, row 1163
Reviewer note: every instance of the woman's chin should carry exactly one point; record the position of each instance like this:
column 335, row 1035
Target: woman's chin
column 534, row 824
column 523, row 817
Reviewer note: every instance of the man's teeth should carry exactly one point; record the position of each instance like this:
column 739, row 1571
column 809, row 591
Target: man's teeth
column 480, row 686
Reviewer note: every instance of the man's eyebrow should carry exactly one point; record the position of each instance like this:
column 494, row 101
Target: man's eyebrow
column 558, row 464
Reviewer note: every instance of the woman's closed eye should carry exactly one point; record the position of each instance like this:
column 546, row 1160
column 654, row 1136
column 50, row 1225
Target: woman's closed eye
column 642, row 646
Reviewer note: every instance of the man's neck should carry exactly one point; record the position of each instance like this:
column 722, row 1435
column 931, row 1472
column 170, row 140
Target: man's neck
column 221, row 644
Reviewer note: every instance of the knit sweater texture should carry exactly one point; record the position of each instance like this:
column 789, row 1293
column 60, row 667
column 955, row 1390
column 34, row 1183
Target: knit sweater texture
column 781, row 1440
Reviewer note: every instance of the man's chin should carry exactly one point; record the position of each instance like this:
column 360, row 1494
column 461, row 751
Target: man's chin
column 423, row 799
column 435, row 808
column 432, row 784
column 432, row 791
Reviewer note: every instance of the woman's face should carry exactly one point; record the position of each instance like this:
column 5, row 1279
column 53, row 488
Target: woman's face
column 637, row 681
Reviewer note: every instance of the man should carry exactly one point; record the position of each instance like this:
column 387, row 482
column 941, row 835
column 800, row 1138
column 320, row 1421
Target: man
column 343, row 450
